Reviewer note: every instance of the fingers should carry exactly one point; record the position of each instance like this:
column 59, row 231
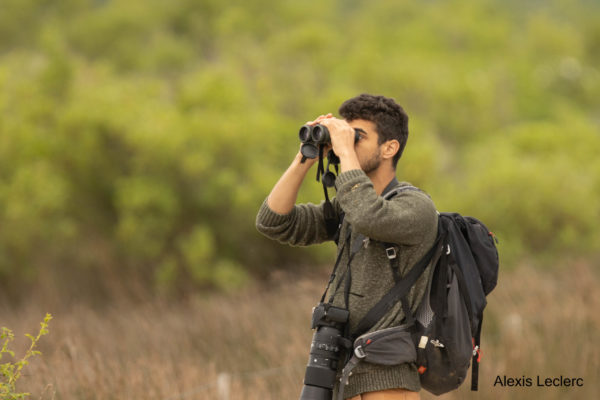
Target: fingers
column 341, row 134
column 320, row 119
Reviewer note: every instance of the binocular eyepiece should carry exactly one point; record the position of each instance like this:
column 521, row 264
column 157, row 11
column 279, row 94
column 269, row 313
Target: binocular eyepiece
column 311, row 136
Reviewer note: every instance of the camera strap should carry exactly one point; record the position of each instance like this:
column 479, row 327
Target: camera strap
column 356, row 243
column 335, row 267
column 346, row 277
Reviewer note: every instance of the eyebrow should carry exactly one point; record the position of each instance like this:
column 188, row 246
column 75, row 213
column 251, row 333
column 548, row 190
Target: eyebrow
column 359, row 130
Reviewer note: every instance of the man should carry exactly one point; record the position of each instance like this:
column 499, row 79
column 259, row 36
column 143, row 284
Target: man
column 408, row 220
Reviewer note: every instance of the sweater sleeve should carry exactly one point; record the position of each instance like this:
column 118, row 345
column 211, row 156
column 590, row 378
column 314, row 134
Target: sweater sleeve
column 303, row 226
column 408, row 218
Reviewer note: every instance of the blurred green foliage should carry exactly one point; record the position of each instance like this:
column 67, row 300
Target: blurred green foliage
column 142, row 136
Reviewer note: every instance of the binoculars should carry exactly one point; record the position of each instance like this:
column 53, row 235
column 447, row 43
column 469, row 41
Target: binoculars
column 312, row 136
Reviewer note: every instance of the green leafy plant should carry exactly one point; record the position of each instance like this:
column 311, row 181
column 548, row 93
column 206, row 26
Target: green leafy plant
column 10, row 372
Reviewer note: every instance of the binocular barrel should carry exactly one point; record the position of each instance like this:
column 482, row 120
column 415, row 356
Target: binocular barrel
column 318, row 134
column 305, row 133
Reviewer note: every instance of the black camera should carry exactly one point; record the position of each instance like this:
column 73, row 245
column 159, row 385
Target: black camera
column 325, row 352
column 311, row 136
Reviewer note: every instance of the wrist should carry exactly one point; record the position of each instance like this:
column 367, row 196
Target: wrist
column 349, row 161
column 308, row 162
column 346, row 153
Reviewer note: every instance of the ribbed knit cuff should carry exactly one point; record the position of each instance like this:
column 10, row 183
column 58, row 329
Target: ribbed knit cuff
column 268, row 217
column 349, row 176
column 403, row 376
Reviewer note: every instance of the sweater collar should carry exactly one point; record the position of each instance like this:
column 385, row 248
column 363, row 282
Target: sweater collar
column 393, row 183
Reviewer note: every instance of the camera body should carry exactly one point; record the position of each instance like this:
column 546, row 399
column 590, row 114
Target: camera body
column 319, row 380
column 312, row 136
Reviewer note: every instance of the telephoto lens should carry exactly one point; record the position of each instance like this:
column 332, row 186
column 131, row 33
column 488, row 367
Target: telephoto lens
column 325, row 352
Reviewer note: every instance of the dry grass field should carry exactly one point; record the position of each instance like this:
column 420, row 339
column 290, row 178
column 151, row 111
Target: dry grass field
column 255, row 344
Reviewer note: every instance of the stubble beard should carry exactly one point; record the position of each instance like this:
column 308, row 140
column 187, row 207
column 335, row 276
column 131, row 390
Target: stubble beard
column 372, row 163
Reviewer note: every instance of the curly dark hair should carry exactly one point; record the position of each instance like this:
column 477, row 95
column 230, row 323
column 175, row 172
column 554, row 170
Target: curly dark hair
column 389, row 117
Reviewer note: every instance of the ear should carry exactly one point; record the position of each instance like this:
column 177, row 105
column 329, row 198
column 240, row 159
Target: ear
column 390, row 148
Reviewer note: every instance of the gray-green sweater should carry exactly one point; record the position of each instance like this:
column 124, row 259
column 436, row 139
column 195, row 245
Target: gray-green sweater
column 409, row 220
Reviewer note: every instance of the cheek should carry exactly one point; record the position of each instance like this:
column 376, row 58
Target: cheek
column 368, row 148
column 361, row 149
column 365, row 145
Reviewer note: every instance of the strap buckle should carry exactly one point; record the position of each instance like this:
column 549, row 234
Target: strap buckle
column 359, row 352
column 477, row 353
column 391, row 253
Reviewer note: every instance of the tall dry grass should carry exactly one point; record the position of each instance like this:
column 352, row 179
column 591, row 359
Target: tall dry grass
column 538, row 322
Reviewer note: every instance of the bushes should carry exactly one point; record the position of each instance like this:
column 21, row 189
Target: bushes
column 537, row 186
column 139, row 137
column 10, row 371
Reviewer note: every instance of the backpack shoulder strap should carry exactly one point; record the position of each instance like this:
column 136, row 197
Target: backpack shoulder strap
column 391, row 248
column 400, row 289
column 399, row 189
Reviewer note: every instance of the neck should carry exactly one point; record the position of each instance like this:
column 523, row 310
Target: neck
column 381, row 177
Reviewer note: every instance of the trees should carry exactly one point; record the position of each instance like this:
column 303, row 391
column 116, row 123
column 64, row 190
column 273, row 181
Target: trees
column 143, row 135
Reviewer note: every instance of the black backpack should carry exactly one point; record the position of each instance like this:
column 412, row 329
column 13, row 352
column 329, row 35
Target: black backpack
column 446, row 328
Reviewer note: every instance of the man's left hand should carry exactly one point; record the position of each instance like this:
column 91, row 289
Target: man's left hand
column 342, row 136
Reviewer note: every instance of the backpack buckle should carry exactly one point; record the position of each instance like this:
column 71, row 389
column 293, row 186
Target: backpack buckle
column 477, row 353
column 391, row 253
column 359, row 352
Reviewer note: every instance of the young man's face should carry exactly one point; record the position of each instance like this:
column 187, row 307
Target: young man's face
column 367, row 148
